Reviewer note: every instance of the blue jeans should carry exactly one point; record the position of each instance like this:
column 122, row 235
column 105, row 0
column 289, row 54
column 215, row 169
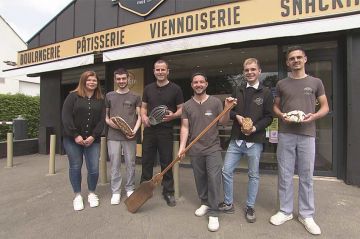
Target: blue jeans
column 76, row 153
column 232, row 159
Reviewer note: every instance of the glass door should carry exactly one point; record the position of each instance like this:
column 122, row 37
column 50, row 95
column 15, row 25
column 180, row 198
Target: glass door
column 322, row 64
column 136, row 84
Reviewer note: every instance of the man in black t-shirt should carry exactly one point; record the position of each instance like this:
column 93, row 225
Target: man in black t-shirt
column 159, row 137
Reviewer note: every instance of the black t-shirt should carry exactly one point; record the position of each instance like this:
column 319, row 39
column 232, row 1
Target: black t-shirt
column 169, row 95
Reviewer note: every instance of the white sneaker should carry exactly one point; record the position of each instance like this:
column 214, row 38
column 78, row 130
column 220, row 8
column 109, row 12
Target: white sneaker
column 78, row 203
column 310, row 225
column 128, row 193
column 115, row 199
column 93, row 200
column 213, row 225
column 280, row 218
column 201, row 211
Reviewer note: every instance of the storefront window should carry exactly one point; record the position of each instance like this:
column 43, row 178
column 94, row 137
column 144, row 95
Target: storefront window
column 321, row 63
column 223, row 68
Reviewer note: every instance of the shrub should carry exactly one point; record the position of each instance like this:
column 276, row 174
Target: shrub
column 14, row 105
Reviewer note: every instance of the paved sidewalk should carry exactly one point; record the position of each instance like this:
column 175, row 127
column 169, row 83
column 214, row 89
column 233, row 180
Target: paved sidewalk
column 34, row 205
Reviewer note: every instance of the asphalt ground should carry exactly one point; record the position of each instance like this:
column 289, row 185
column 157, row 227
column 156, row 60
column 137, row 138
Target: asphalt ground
column 35, row 205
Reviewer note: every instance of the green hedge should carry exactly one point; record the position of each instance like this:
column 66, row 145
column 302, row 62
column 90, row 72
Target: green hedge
column 14, row 105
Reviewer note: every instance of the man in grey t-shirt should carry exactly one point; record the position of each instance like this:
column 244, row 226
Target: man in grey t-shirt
column 198, row 112
column 125, row 104
column 297, row 139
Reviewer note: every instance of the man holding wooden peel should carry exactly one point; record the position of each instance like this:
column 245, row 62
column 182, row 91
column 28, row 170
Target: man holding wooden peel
column 205, row 154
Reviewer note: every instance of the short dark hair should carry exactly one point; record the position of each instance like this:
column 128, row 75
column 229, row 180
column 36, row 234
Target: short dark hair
column 294, row 48
column 121, row 71
column 198, row 74
column 161, row 61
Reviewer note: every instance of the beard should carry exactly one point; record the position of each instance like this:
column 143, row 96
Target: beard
column 203, row 91
column 123, row 86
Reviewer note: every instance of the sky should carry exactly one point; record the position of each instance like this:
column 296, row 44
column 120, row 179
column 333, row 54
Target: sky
column 27, row 17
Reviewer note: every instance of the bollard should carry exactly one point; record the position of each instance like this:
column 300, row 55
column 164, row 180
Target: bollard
column 176, row 171
column 52, row 154
column 10, row 150
column 103, row 156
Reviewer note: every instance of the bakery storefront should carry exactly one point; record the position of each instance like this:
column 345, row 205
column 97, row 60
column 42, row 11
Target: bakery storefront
column 214, row 36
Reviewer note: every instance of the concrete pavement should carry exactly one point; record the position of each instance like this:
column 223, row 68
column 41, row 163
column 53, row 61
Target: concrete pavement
column 34, row 205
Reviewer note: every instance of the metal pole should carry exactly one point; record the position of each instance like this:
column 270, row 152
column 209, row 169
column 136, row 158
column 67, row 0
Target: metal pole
column 176, row 174
column 103, row 156
column 52, row 154
column 10, row 150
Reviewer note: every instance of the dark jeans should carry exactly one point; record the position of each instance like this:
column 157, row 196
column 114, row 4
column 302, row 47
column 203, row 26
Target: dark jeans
column 158, row 139
column 76, row 153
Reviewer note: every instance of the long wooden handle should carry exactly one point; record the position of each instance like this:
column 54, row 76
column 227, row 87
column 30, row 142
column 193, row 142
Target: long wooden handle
column 198, row 137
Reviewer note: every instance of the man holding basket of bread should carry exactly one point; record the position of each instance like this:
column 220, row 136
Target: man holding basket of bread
column 251, row 115
column 123, row 119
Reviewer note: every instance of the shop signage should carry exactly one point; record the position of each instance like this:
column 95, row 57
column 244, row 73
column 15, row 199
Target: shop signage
column 232, row 16
column 139, row 7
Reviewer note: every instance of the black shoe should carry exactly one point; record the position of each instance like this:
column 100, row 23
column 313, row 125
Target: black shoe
column 226, row 208
column 250, row 214
column 170, row 200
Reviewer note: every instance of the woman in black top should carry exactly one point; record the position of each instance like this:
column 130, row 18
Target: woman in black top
column 83, row 118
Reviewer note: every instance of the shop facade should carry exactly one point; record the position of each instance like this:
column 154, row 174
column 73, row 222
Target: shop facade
column 214, row 36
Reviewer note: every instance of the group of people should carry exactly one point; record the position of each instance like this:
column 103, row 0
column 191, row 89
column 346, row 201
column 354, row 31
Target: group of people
column 85, row 113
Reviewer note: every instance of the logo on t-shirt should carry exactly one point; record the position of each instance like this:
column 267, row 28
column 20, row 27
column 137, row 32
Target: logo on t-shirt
column 208, row 113
column 259, row 101
column 127, row 103
column 308, row 91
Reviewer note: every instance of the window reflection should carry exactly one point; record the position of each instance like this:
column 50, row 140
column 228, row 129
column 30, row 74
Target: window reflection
column 223, row 68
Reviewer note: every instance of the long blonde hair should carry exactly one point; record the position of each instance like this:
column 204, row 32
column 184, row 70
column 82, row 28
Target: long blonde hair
column 80, row 89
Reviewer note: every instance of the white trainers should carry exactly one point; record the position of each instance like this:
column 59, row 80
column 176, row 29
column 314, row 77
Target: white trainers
column 128, row 193
column 280, row 218
column 201, row 211
column 310, row 225
column 78, row 203
column 213, row 225
column 115, row 199
column 93, row 200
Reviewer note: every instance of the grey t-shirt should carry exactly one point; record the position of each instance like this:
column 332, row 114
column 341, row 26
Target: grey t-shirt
column 123, row 105
column 299, row 94
column 200, row 116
